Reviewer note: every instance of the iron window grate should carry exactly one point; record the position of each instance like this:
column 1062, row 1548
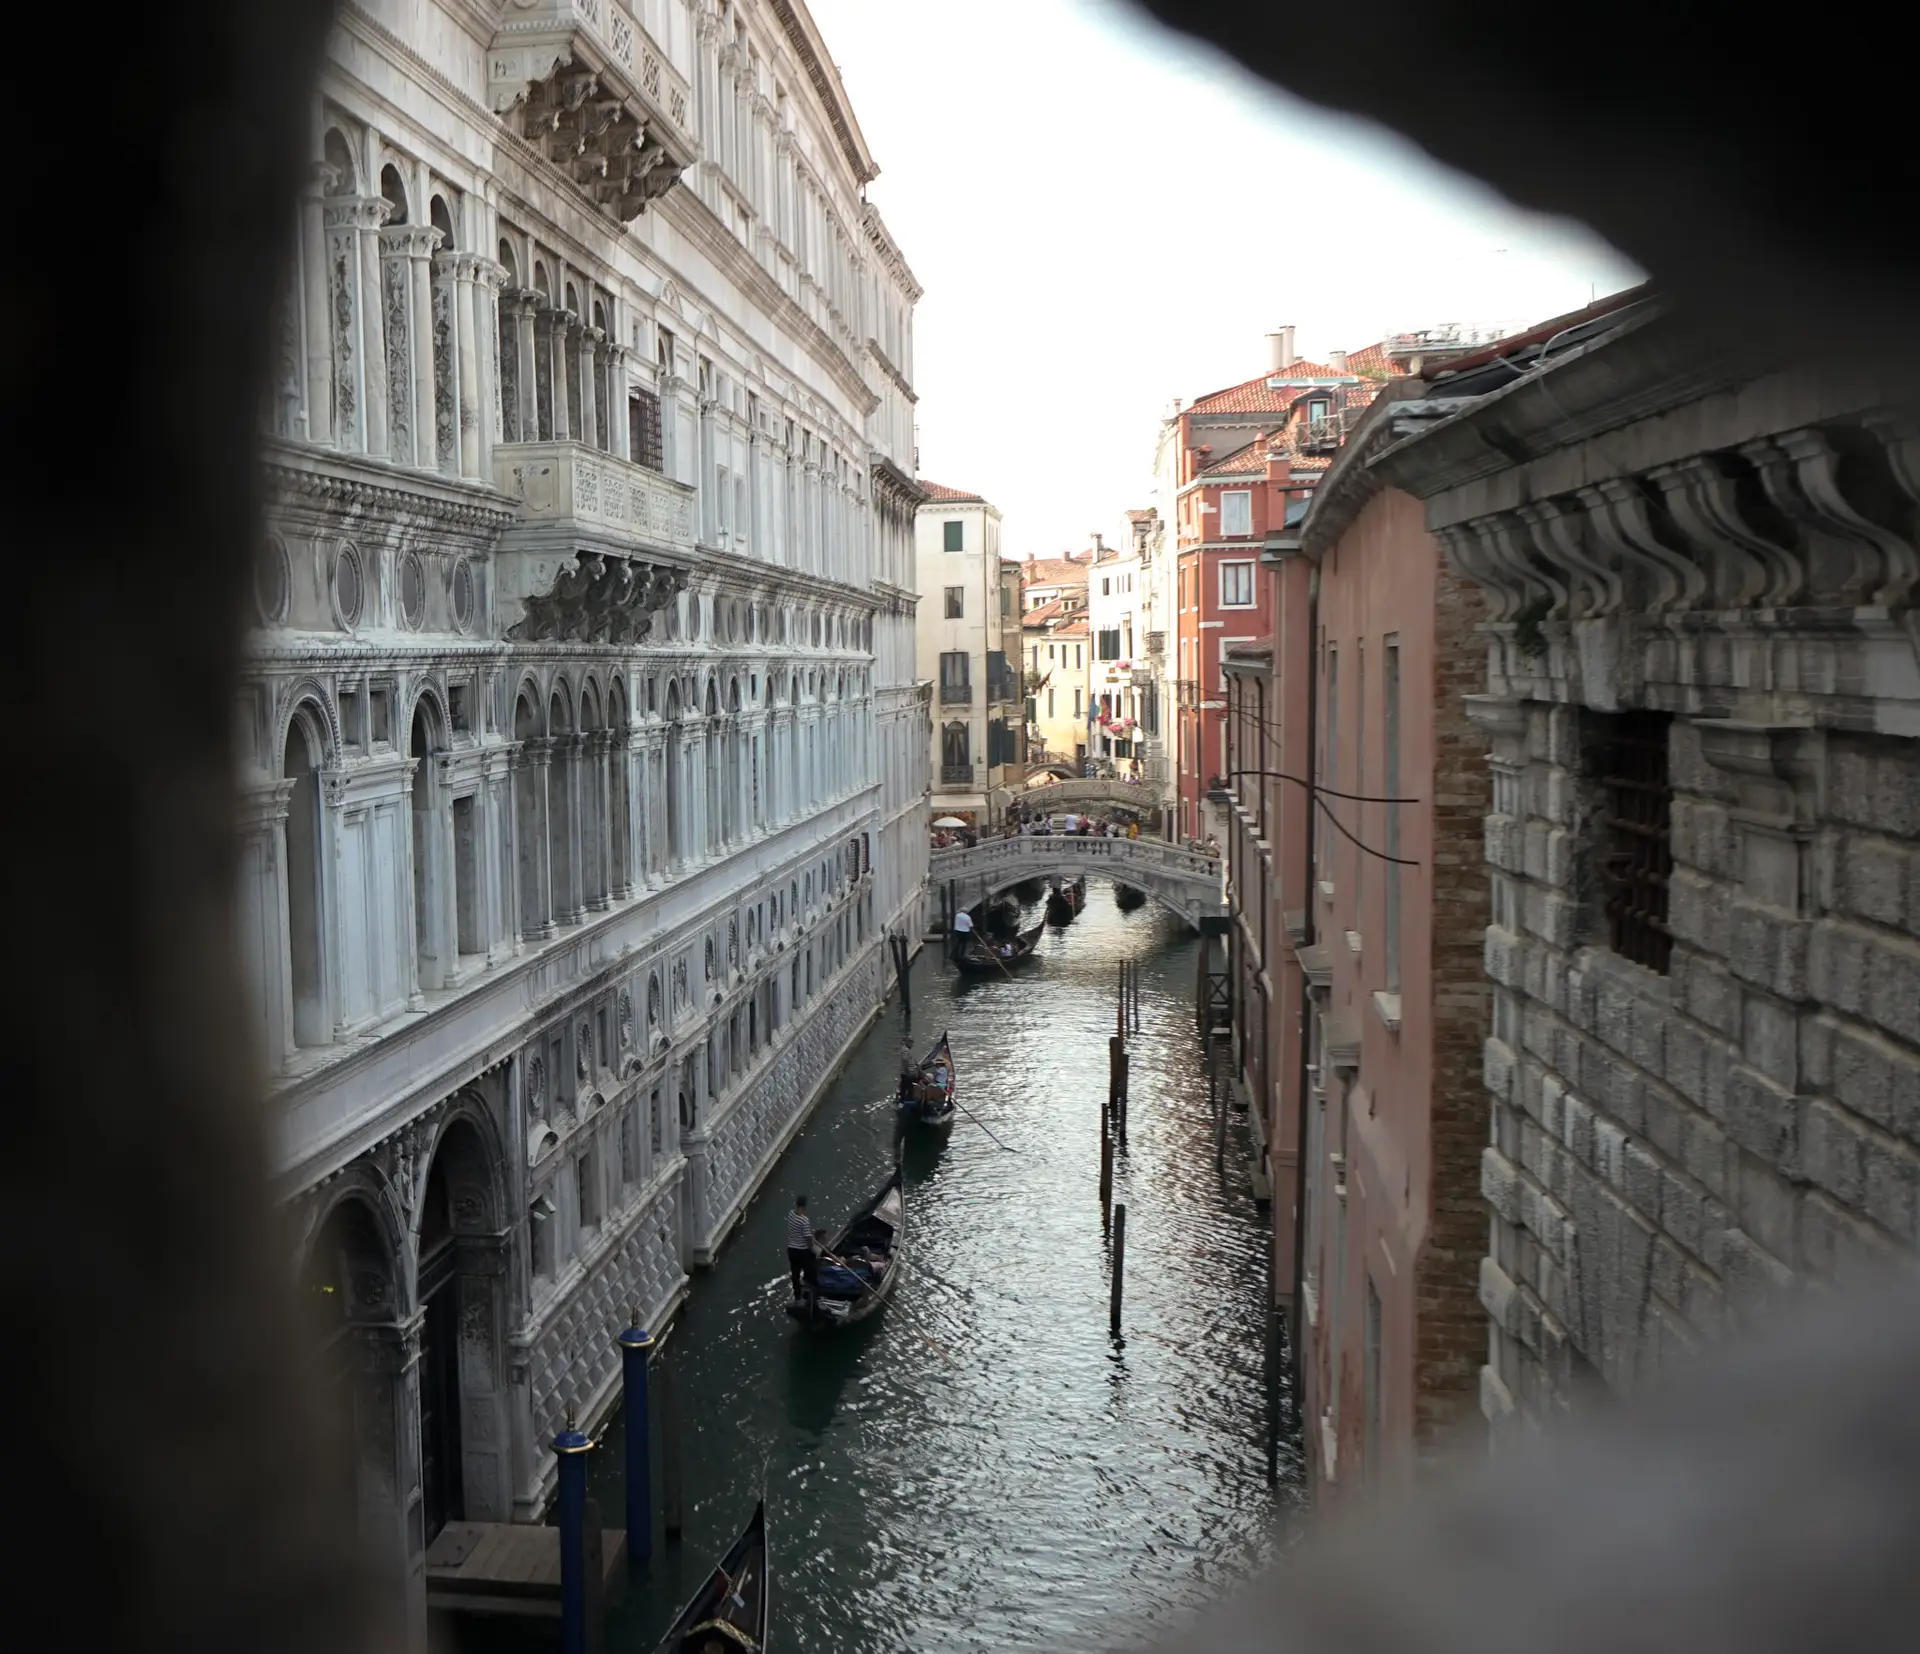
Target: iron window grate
column 1638, row 859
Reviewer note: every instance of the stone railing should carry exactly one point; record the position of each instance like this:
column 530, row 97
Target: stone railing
column 1067, row 795
column 573, row 488
column 1184, row 880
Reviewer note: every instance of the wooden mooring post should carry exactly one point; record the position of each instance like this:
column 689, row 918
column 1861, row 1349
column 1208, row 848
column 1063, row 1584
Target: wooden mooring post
column 1117, row 1086
column 1106, row 1155
column 1119, row 1268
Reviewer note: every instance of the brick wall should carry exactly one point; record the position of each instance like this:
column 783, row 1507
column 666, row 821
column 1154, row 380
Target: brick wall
column 1451, row 1327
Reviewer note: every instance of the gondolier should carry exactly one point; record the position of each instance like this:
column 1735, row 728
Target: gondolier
column 801, row 1259
column 963, row 922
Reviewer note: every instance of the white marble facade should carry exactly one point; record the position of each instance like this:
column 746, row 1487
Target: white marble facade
column 584, row 760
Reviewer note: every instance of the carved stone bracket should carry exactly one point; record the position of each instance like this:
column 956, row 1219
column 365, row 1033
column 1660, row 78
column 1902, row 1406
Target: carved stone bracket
column 599, row 597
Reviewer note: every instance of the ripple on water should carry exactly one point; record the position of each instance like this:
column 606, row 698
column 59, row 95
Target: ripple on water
column 981, row 1467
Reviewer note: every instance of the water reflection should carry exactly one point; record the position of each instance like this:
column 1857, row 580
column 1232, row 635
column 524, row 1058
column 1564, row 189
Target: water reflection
column 981, row 1466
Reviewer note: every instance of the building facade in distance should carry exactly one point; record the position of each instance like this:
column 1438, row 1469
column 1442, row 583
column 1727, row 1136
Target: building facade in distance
column 580, row 718
column 969, row 643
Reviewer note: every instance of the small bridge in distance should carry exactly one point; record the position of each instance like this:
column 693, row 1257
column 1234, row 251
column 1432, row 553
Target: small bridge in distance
column 1143, row 797
column 1184, row 882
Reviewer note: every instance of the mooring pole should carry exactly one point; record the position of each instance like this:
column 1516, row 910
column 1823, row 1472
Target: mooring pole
column 571, row 1448
column 636, row 1350
column 1106, row 1154
column 1117, row 1086
column 1119, row 1267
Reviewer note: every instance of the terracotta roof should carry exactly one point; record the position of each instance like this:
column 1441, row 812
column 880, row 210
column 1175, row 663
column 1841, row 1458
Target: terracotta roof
column 1076, row 627
column 1053, row 571
column 1146, row 516
column 940, row 491
column 1253, row 397
column 1041, row 613
column 1373, row 362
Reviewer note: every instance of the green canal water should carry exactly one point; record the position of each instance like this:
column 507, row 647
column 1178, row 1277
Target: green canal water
column 981, row 1466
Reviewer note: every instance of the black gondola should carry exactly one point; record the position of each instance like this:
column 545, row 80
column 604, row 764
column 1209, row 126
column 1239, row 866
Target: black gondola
column 856, row 1269
column 1126, row 897
column 1030, row 890
column 1064, row 902
column 980, row 957
column 926, row 1090
column 728, row 1614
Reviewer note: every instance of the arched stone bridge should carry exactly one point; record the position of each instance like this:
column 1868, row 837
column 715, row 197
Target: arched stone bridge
column 1142, row 796
column 1183, row 881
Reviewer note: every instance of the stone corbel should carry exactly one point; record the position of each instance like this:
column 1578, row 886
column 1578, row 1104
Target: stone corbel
column 1559, row 534
column 1623, row 525
column 1469, row 548
column 1851, row 558
column 1748, row 569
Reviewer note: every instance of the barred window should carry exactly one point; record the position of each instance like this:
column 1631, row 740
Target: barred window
column 1636, row 859
column 643, row 430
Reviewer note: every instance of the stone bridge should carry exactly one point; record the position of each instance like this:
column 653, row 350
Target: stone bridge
column 1183, row 881
column 1142, row 796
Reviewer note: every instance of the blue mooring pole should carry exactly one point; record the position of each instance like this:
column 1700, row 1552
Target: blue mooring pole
column 636, row 1350
column 571, row 1448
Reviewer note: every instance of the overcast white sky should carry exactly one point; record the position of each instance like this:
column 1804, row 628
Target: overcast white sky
column 1105, row 218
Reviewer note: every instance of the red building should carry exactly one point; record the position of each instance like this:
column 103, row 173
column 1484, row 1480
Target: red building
column 1243, row 460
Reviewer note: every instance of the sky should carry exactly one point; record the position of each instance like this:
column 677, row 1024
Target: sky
column 1105, row 217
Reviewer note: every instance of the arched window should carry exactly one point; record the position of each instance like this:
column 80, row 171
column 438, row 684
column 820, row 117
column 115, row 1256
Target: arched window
column 675, row 781
column 530, row 820
column 562, row 776
column 312, row 1017
column 429, row 904
column 619, row 797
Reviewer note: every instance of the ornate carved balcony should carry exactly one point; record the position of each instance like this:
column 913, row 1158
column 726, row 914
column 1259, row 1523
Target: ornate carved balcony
column 582, row 81
column 599, row 545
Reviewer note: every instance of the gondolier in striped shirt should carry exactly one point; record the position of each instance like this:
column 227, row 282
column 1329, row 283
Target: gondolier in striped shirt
column 801, row 1261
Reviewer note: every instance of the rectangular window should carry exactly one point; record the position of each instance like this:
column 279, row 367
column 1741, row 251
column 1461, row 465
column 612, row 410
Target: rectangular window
column 1390, row 757
column 956, row 602
column 1323, row 834
column 1627, row 752
column 586, row 1186
column 1049, row 703
column 1106, row 586
column 953, row 536
column 1078, row 708
column 1357, row 812
column 1109, row 644
column 629, row 1145
column 466, row 878
column 1236, row 513
column 1236, row 585
column 540, row 1217
column 1079, row 656
column 956, row 686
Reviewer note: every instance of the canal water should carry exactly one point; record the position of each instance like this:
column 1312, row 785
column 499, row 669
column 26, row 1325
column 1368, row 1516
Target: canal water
column 981, row 1466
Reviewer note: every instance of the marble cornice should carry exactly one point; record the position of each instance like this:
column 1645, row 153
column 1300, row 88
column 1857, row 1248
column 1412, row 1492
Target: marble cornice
column 330, row 480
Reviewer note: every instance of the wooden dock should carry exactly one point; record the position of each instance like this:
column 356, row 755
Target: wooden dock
column 513, row 1568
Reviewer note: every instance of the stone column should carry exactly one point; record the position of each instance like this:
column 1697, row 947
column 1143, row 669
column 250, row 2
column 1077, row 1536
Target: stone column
column 420, row 255
column 619, row 437
column 486, row 295
column 526, row 381
column 561, row 324
column 374, row 334
column 588, row 341
column 541, row 753
column 576, row 836
column 468, row 408
column 319, row 307
column 344, row 216
column 489, row 853
column 396, row 279
column 601, row 750
column 446, row 363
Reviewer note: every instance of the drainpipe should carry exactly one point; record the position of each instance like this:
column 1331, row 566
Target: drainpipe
column 1295, row 1339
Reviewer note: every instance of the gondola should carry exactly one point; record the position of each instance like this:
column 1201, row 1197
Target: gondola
column 1030, row 890
column 926, row 1090
column 1126, row 897
column 858, row 1266
column 728, row 1614
column 1065, row 902
column 979, row 957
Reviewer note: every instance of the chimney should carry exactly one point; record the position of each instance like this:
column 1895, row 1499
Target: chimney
column 1280, row 349
column 1337, row 360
